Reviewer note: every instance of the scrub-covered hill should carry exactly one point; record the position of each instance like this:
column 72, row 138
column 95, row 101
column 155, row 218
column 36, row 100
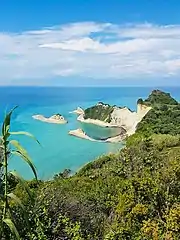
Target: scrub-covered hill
column 131, row 195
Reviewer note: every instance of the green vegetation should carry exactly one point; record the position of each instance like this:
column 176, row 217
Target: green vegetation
column 58, row 115
column 163, row 118
column 131, row 195
column 159, row 97
column 100, row 111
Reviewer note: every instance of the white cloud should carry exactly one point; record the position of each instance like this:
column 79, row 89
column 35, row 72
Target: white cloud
column 88, row 49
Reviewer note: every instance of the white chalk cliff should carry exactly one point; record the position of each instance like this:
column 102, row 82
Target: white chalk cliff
column 124, row 117
column 121, row 117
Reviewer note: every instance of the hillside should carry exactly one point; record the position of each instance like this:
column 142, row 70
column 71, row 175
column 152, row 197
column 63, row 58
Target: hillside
column 160, row 97
column 164, row 117
column 100, row 111
column 131, row 195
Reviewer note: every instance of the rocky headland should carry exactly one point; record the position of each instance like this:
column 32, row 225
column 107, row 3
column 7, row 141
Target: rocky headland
column 105, row 115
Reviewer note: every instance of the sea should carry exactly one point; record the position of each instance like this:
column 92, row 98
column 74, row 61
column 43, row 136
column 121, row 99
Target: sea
column 58, row 150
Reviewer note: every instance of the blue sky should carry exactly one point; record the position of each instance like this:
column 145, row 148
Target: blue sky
column 89, row 42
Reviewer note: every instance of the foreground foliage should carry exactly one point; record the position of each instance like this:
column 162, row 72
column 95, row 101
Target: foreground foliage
column 134, row 194
column 10, row 147
column 164, row 117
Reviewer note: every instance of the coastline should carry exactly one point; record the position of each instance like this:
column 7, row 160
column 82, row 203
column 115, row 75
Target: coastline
column 81, row 134
column 120, row 118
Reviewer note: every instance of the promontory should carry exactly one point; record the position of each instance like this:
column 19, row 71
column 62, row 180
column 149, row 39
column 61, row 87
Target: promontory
column 105, row 115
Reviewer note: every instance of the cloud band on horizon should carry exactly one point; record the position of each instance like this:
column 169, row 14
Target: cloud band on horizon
column 93, row 50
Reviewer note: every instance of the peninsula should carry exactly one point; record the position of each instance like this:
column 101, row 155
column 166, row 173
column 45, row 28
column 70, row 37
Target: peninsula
column 105, row 115
column 57, row 119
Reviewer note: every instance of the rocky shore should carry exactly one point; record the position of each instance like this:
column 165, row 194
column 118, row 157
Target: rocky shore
column 57, row 119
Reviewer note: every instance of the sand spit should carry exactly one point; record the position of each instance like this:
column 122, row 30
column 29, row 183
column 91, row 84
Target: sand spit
column 81, row 134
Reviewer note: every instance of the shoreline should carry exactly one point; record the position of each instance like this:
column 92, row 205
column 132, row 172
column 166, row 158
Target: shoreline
column 96, row 122
column 81, row 134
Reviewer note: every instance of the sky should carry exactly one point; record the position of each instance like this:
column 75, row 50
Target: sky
column 90, row 42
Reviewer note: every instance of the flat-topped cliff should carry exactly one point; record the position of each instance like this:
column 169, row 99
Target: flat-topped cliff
column 113, row 116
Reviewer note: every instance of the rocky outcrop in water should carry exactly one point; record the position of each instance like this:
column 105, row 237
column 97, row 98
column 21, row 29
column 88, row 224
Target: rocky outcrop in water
column 57, row 118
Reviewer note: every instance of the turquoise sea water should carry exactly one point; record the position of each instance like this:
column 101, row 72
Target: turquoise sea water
column 59, row 150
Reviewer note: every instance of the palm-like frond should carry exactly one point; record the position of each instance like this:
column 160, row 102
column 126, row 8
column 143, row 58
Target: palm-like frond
column 25, row 134
column 21, row 152
column 6, row 124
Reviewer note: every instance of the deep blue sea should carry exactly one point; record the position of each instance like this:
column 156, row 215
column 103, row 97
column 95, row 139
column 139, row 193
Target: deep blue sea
column 58, row 150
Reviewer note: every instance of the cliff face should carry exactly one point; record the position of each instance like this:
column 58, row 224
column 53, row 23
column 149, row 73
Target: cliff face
column 158, row 105
column 115, row 116
column 142, row 110
column 127, row 119
column 123, row 117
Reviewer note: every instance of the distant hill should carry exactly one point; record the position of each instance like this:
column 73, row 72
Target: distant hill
column 159, row 97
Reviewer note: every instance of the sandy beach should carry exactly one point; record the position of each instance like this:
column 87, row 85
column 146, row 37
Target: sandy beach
column 95, row 121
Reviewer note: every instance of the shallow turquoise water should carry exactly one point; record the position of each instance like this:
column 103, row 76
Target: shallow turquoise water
column 59, row 150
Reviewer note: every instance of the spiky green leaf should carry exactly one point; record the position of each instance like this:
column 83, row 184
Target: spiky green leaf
column 25, row 134
column 18, row 201
column 22, row 182
column 12, row 227
column 21, row 152
column 6, row 124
